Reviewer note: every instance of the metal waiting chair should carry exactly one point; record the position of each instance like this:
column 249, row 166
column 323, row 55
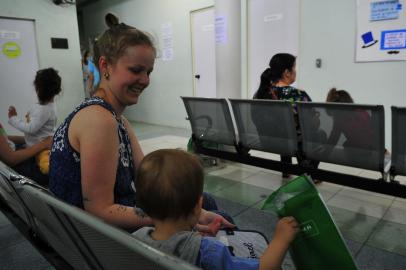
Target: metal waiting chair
column 49, row 227
column 266, row 125
column 211, row 120
column 101, row 245
column 364, row 144
column 398, row 158
column 10, row 195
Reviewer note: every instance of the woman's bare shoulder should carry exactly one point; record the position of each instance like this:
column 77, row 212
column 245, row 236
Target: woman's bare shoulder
column 95, row 114
column 92, row 121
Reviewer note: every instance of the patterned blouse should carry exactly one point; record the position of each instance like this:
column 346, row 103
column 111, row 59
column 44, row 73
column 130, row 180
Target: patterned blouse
column 64, row 171
column 288, row 93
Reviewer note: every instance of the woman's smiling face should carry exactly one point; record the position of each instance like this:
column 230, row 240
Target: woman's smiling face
column 129, row 76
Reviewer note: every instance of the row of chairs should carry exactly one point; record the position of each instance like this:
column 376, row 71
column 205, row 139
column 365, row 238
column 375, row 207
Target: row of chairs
column 81, row 240
column 272, row 126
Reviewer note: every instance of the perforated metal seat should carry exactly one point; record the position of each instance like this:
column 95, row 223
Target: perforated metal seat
column 398, row 157
column 266, row 125
column 359, row 131
column 10, row 196
column 211, row 120
column 101, row 245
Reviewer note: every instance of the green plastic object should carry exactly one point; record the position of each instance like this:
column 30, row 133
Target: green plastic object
column 319, row 245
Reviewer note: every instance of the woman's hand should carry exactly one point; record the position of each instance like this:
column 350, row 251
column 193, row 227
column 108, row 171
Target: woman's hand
column 209, row 223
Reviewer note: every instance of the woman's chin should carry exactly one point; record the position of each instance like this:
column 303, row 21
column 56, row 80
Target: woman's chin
column 133, row 97
column 133, row 100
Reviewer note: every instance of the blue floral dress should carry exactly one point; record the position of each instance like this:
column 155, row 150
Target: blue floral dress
column 64, row 171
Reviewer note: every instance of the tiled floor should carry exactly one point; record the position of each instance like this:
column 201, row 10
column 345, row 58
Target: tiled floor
column 374, row 225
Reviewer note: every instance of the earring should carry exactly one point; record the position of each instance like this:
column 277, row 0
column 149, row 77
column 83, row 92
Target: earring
column 106, row 75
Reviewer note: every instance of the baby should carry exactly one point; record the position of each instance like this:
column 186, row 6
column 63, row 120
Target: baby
column 169, row 189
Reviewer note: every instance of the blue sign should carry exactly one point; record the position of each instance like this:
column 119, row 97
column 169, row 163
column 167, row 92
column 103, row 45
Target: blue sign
column 393, row 39
column 385, row 10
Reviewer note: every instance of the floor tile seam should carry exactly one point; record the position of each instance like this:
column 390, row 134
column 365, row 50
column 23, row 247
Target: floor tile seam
column 243, row 178
column 271, row 190
column 390, row 206
column 334, row 194
column 239, row 183
column 381, row 203
column 248, row 207
column 224, row 187
column 381, row 220
column 369, row 193
column 249, row 172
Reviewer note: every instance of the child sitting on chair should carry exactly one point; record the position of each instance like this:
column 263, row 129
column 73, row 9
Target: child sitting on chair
column 169, row 190
column 40, row 121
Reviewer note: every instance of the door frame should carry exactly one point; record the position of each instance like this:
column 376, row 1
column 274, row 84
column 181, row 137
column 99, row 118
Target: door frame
column 192, row 43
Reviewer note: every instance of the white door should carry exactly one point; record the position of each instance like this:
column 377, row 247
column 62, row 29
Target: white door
column 273, row 27
column 18, row 66
column 204, row 54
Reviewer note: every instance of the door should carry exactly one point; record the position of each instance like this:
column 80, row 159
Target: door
column 18, row 66
column 204, row 54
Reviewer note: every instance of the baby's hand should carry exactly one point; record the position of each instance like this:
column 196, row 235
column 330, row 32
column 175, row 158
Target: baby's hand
column 12, row 111
column 286, row 229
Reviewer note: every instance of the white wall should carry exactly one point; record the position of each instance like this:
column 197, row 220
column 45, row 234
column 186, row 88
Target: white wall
column 160, row 103
column 328, row 31
column 228, row 76
column 53, row 21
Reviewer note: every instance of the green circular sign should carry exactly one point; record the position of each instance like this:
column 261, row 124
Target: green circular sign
column 11, row 49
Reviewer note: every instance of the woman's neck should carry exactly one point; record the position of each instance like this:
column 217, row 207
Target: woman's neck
column 282, row 83
column 47, row 102
column 109, row 97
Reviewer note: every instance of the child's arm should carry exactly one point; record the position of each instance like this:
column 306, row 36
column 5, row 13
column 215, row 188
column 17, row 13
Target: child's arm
column 12, row 158
column 38, row 117
column 18, row 140
column 285, row 232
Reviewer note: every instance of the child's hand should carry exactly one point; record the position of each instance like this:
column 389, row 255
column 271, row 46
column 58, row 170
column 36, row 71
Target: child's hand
column 286, row 229
column 12, row 111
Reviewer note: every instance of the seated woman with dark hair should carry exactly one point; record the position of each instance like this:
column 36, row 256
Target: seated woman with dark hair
column 275, row 84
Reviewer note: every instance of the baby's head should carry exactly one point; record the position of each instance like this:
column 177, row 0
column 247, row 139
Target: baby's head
column 169, row 185
column 47, row 85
